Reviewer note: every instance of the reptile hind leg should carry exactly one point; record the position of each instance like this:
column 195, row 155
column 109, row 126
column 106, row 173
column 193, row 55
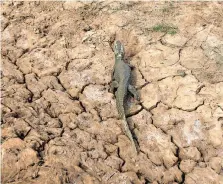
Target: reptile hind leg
column 114, row 85
column 133, row 91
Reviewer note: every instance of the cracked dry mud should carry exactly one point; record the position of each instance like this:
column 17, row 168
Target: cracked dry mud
column 60, row 123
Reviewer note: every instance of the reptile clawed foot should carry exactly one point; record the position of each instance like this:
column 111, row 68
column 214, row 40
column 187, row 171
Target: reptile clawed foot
column 135, row 100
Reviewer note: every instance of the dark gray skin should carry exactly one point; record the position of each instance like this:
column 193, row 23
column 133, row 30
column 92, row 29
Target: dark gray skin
column 121, row 81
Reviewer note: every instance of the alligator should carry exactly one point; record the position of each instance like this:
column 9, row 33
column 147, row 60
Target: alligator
column 121, row 82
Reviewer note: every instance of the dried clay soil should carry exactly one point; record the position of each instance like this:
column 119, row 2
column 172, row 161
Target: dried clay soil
column 59, row 121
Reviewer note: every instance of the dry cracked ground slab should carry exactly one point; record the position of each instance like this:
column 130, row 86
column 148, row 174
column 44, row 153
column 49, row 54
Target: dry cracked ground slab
column 60, row 123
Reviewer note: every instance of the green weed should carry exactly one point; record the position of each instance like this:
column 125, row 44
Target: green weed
column 165, row 28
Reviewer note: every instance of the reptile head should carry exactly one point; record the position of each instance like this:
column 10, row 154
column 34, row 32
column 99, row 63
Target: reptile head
column 119, row 49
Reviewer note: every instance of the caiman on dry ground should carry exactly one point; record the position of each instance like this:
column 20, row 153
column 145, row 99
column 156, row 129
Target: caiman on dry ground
column 121, row 81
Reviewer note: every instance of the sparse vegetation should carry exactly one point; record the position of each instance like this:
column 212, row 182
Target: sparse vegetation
column 168, row 7
column 165, row 28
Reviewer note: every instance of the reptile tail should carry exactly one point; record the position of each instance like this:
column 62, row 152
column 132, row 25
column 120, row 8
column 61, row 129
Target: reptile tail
column 120, row 94
column 129, row 134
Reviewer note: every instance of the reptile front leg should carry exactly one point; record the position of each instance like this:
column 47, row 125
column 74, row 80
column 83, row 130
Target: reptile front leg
column 114, row 85
column 112, row 73
column 130, row 65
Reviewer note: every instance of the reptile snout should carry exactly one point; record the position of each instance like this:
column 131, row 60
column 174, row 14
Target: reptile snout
column 118, row 48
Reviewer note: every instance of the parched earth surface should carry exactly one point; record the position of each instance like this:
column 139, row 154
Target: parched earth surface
column 59, row 121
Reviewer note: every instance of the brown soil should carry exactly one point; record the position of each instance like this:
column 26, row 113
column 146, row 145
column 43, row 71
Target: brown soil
column 60, row 123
